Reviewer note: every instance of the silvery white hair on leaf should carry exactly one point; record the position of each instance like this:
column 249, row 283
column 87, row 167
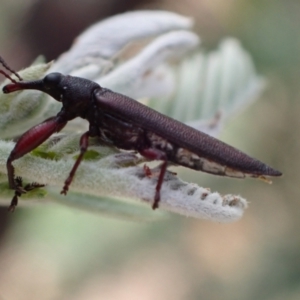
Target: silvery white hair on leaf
column 159, row 63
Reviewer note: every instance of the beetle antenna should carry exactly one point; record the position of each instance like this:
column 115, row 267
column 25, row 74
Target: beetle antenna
column 5, row 65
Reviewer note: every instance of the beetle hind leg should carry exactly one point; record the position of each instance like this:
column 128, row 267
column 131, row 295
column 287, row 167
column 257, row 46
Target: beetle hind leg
column 155, row 154
column 160, row 180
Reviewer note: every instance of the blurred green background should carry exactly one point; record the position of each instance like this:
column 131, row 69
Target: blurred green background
column 54, row 252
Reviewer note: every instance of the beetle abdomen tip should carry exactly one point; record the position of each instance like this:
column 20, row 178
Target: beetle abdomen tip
column 272, row 172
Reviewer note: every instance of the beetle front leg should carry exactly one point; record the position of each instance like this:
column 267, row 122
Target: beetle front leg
column 155, row 154
column 18, row 193
column 27, row 142
column 84, row 143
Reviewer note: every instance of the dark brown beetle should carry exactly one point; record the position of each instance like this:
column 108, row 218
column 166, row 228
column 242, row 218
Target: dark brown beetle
column 129, row 125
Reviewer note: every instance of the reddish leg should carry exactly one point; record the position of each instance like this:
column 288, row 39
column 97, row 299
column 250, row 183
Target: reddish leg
column 27, row 188
column 84, row 143
column 147, row 171
column 163, row 169
column 157, row 155
column 27, row 142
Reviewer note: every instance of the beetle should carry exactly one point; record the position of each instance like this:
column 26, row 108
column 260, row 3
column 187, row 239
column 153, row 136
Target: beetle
column 126, row 124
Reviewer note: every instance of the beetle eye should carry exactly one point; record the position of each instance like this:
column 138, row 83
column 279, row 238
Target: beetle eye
column 52, row 80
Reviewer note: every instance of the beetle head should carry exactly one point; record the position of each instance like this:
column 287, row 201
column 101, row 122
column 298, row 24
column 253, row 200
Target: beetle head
column 51, row 84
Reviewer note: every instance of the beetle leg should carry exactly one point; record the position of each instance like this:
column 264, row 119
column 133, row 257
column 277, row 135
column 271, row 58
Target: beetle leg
column 147, row 171
column 155, row 154
column 26, row 143
column 84, row 143
column 161, row 176
column 14, row 201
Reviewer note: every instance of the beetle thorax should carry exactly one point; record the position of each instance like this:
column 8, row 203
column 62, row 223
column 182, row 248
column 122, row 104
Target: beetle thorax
column 76, row 95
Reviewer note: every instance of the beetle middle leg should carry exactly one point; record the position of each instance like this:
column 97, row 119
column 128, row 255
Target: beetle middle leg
column 84, row 143
column 155, row 154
